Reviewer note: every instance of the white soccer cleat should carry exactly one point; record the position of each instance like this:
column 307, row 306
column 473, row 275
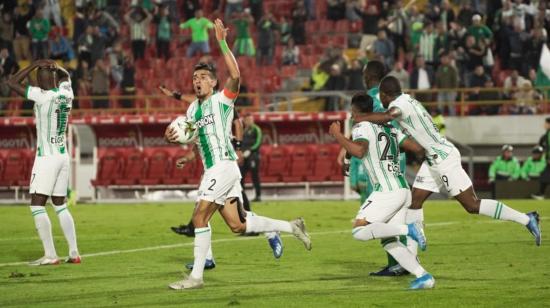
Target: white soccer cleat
column 45, row 261
column 299, row 231
column 187, row 283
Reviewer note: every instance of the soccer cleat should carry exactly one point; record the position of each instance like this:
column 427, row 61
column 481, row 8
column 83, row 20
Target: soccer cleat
column 187, row 283
column 45, row 261
column 208, row 265
column 534, row 226
column 299, row 231
column 417, row 234
column 537, row 197
column 390, row 271
column 276, row 245
column 425, row 282
column 73, row 260
column 184, row 230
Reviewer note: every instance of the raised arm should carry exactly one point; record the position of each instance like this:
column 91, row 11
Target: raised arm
column 15, row 81
column 380, row 117
column 233, row 82
column 64, row 75
column 355, row 148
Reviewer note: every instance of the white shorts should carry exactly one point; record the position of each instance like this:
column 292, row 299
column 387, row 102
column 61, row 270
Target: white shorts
column 50, row 175
column 221, row 182
column 386, row 206
column 446, row 177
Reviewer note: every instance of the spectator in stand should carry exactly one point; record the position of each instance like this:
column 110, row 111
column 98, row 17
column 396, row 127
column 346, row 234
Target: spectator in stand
column 85, row 43
column 108, row 26
column 477, row 81
column 489, row 96
column 457, row 35
column 447, row 15
column 534, row 47
column 398, row 27
column 446, row 77
column 480, row 31
column 233, row 6
column 199, row 34
column 441, row 42
column 474, row 53
column 100, row 84
column 116, row 61
column 351, row 15
column 319, row 76
column 80, row 23
column 526, row 99
column 138, row 19
column 517, row 42
column 336, row 82
column 370, row 17
column 336, row 9
column 384, row 48
column 52, row 11
column 256, row 8
column 244, row 45
column 401, row 74
column 422, row 78
column 83, row 79
column 6, row 31
column 39, row 28
column 60, row 48
column 285, row 31
column 426, row 47
column 21, row 43
column 465, row 13
column 534, row 166
column 8, row 67
column 128, row 84
column 189, row 8
column 354, row 76
column 164, row 31
column 266, row 39
column 298, row 28
column 512, row 84
column 291, row 53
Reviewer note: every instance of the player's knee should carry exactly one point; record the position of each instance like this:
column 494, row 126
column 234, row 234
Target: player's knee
column 58, row 200
column 238, row 227
column 472, row 208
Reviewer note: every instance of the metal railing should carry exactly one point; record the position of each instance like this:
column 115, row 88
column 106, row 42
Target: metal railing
column 266, row 102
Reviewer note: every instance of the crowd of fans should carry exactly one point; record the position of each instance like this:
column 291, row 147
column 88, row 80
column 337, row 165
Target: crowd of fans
column 445, row 45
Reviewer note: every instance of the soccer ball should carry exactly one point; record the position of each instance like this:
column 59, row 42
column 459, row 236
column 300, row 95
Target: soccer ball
column 185, row 128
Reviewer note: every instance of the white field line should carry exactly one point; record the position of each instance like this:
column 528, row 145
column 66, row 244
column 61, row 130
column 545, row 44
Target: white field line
column 152, row 248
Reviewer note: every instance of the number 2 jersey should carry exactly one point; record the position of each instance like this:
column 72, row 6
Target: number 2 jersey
column 51, row 111
column 214, row 119
column 382, row 158
column 418, row 123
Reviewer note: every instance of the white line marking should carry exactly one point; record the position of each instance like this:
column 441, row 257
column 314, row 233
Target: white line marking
column 116, row 252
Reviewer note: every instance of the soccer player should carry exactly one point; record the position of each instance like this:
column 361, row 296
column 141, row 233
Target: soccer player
column 273, row 238
column 383, row 213
column 220, row 186
column 50, row 173
column 442, row 169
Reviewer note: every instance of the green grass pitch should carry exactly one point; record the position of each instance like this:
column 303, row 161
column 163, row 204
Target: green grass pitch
column 130, row 256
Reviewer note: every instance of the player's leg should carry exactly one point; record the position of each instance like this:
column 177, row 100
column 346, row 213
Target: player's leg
column 44, row 229
column 239, row 223
column 255, row 169
column 209, row 263
column 63, row 214
column 41, row 188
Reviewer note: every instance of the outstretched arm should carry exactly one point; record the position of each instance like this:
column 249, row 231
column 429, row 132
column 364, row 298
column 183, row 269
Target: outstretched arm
column 233, row 81
column 379, row 117
column 15, row 81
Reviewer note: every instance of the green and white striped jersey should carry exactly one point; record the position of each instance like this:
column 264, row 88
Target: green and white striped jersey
column 382, row 157
column 51, row 111
column 214, row 118
column 418, row 123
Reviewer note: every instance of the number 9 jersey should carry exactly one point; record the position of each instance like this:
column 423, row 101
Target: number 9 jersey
column 382, row 158
column 51, row 168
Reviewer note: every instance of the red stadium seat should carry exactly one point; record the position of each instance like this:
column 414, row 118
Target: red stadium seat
column 276, row 165
column 179, row 176
column 300, row 165
column 14, row 169
column 158, row 167
column 134, row 168
column 322, row 167
column 109, row 169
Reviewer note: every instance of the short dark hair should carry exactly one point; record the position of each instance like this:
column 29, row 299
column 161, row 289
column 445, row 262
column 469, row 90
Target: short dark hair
column 363, row 102
column 390, row 86
column 375, row 70
column 548, row 120
column 205, row 66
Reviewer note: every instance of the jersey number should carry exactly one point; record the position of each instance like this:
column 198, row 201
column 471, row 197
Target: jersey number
column 211, row 188
column 385, row 155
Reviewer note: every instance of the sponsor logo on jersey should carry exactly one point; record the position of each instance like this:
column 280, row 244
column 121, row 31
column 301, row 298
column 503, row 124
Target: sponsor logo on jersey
column 206, row 120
